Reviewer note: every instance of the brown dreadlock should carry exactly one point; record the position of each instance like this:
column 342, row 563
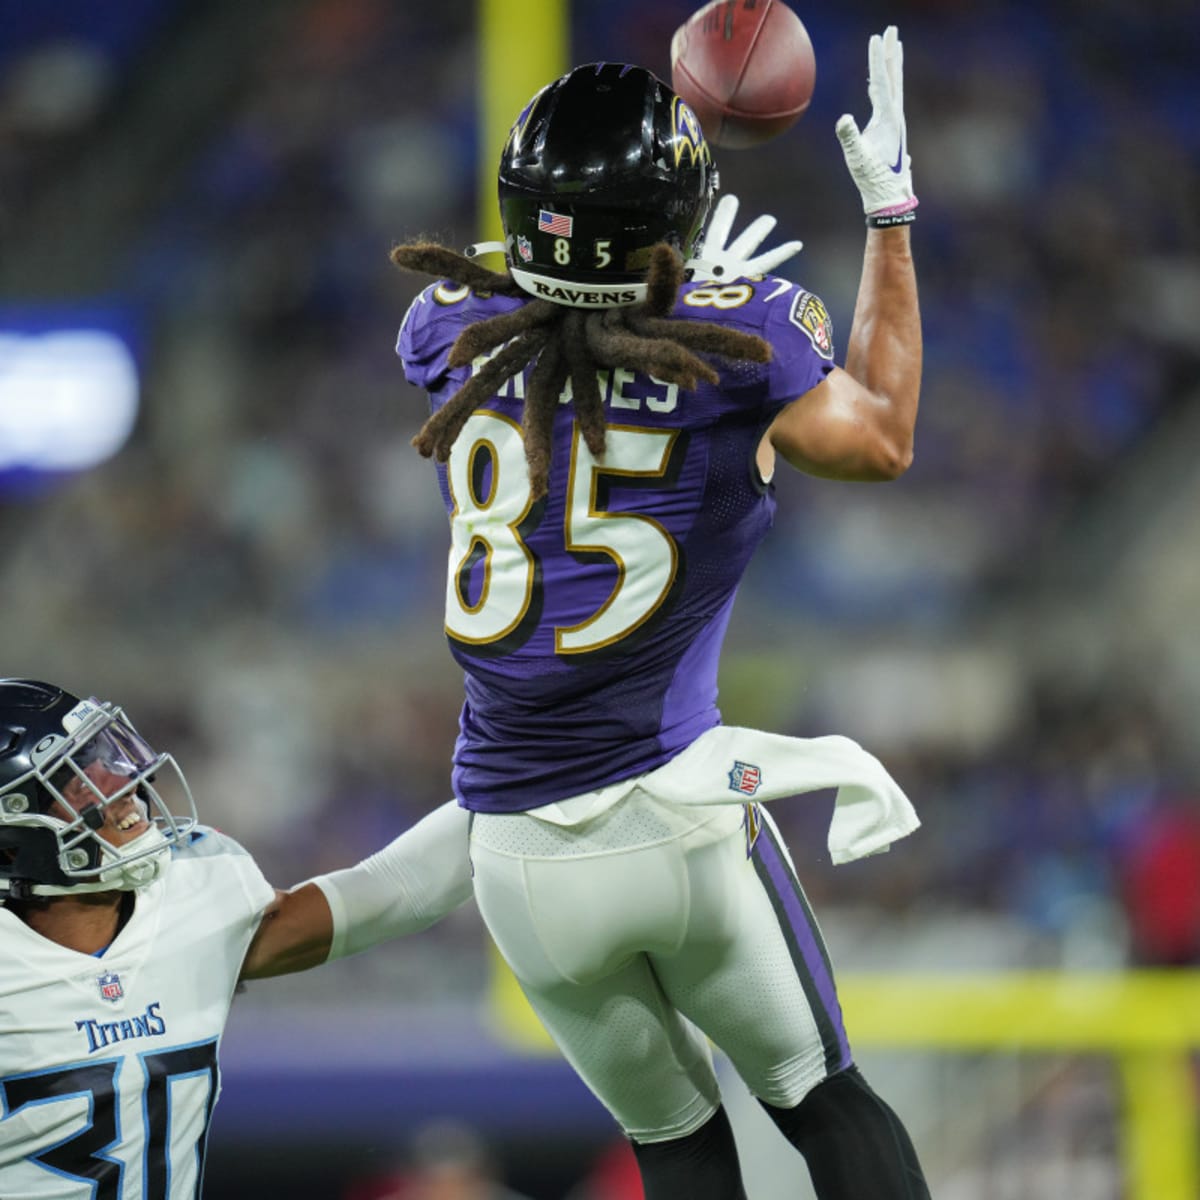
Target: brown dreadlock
column 568, row 343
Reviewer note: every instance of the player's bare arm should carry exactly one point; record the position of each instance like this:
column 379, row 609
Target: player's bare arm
column 296, row 934
column 858, row 423
column 405, row 887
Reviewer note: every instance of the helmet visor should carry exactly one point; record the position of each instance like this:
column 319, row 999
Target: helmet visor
column 118, row 748
column 108, row 766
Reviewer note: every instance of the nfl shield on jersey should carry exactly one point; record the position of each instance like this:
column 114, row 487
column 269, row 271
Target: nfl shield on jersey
column 108, row 1066
column 110, row 986
column 589, row 623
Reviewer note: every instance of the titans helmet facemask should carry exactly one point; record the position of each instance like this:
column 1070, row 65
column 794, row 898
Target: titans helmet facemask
column 71, row 769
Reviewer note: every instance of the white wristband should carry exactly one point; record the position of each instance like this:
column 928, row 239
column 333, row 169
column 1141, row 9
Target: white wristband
column 407, row 886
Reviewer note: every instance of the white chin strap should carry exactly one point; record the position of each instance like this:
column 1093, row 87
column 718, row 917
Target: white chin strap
column 478, row 248
column 140, row 862
column 127, row 874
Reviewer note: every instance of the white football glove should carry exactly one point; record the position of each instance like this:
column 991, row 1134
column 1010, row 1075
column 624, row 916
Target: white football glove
column 718, row 263
column 878, row 156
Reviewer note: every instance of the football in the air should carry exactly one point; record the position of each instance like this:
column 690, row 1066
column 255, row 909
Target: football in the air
column 746, row 67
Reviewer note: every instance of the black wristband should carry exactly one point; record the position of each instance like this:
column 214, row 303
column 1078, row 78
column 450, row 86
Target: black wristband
column 887, row 220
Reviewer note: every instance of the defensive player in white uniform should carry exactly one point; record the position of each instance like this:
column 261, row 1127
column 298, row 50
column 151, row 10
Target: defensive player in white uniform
column 125, row 927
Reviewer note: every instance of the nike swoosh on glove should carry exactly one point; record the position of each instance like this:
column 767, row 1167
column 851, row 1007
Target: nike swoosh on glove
column 877, row 157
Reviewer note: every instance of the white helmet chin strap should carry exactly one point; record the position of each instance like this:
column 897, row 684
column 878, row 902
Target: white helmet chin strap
column 478, row 248
column 138, row 864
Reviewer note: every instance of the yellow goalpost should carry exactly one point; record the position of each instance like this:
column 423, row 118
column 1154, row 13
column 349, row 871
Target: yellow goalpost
column 523, row 45
column 1147, row 1021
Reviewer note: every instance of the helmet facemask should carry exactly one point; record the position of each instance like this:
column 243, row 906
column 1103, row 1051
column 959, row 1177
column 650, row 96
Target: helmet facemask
column 97, row 774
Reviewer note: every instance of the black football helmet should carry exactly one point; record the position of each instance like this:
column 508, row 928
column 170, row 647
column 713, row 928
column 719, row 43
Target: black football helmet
column 602, row 164
column 53, row 747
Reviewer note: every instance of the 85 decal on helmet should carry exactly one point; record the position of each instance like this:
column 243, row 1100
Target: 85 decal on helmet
column 602, row 165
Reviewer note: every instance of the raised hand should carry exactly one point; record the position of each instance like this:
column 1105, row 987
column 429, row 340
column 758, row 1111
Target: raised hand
column 718, row 262
column 878, row 157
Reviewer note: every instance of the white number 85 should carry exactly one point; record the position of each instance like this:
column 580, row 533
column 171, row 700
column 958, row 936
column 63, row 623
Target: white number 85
column 489, row 525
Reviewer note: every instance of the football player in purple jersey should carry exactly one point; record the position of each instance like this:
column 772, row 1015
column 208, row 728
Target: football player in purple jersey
column 607, row 413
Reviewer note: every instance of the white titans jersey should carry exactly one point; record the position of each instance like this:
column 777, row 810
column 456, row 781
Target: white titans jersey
column 108, row 1066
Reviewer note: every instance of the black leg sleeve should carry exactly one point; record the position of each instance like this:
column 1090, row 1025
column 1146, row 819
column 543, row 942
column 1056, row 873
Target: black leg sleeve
column 855, row 1146
column 701, row 1166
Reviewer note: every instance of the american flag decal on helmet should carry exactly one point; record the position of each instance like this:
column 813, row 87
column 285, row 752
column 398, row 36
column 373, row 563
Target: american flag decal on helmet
column 745, row 778
column 110, row 986
column 557, row 223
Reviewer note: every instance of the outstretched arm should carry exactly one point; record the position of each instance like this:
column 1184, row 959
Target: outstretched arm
column 295, row 933
column 411, row 883
column 858, row 423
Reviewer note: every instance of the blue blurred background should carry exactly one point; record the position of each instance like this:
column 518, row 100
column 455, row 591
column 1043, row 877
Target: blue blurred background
column 210, row 510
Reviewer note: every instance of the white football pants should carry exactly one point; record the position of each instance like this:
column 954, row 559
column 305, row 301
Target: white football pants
column 644, row 926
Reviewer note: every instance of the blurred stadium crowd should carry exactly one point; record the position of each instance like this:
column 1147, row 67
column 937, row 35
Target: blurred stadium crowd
column 257, row 575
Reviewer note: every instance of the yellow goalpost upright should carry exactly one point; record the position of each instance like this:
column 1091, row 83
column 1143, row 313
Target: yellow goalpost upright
column 523, row 45
column 1148, row 1022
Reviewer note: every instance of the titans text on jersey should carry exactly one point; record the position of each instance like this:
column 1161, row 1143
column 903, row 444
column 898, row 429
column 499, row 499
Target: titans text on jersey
column 105, row 1033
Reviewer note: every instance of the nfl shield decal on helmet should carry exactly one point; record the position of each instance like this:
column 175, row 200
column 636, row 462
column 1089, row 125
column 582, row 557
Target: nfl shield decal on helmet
column 110, row 986
column 745, row 778
column 524, row 248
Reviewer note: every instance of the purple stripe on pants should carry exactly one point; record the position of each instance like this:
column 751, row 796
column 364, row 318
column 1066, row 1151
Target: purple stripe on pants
column 797, row 920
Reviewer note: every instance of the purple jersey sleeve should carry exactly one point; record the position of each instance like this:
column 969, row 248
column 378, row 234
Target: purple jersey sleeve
column 434, row 320
column 794, row 321
column 799, row 362
column 589, row 624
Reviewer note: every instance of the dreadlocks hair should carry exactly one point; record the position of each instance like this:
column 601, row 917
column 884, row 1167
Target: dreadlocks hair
column 569, row 344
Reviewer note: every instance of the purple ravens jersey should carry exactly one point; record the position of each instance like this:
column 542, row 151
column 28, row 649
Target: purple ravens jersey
column 589, row 622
